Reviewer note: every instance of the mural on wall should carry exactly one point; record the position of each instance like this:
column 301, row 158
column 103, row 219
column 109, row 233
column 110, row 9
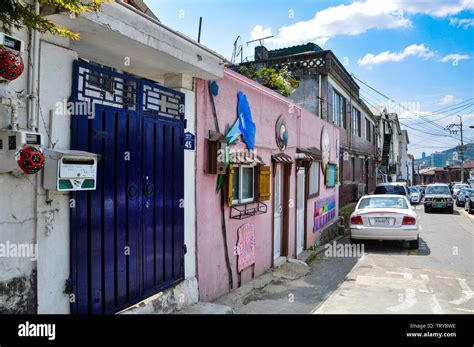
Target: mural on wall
column 325, row 148
column 244, row 125
column 245, row 247
column 281, row 133
column 324, row 212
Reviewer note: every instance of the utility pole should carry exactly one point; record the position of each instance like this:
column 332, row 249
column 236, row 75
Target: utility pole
column 462, row 151
column 451, row 131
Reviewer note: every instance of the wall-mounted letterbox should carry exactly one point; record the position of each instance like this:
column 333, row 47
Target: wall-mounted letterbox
column 216, row 154
column 69, row 170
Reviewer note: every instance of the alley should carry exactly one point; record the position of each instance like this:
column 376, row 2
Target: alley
column 388, row 278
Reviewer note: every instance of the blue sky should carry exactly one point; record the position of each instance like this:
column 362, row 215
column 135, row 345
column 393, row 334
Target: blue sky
column 419, row 54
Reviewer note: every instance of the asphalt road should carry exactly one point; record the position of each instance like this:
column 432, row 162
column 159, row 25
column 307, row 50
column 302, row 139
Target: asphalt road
column 389, row 278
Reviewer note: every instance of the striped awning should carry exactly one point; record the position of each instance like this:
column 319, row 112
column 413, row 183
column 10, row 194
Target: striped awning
column 311, row 153
column 282, row 158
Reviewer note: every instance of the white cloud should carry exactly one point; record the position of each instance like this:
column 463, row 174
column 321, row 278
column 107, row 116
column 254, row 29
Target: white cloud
column 437, row 8
column 259, row 32
column 387, row 56
column 464, row 23
column 448, row 99
column 359, row 17
column 455, row 57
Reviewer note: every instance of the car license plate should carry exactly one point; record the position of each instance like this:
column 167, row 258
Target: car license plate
column 381, row 221
column 439, row 205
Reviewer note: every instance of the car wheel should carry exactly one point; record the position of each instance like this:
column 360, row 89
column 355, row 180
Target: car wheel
column 427, row 209
column 415, row 244
column 451, row 210
column 353, row 241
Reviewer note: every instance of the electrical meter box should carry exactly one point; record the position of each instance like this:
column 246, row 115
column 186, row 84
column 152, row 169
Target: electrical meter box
column 70, row 170
column 12, row 43
column 13, row 140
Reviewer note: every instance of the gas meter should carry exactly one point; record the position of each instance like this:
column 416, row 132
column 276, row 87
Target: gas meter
column 70, row 170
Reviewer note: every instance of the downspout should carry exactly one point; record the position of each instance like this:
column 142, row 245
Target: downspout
column 32, row 100
column 222, row 201
column 33, row 56
column 320, row 109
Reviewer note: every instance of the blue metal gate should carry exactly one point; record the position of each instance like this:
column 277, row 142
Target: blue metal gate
column 127, row 236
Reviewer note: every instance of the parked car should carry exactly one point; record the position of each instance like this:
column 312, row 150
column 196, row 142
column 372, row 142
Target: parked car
column 398, row 188
column 469, row 205
column 457, row 187
column 462, row 196
column 384, row 217
column 437, row 197
column 422, row 190
column 415, row 195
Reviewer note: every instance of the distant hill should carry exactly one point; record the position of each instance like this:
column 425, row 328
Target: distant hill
column 468, row 151
column 468, row 154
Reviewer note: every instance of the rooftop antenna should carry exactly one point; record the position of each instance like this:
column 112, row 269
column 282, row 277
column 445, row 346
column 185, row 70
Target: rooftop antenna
column 199, row 30
column 260, row 40
column 238, row 49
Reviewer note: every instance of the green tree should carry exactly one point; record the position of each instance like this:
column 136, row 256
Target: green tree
column 280, row 80
column 19, row 14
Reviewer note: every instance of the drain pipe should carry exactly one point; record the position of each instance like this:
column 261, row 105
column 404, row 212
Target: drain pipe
column 33, row 57
column 14, row 104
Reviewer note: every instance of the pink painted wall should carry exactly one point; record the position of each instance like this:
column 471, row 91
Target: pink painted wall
column 266, row 107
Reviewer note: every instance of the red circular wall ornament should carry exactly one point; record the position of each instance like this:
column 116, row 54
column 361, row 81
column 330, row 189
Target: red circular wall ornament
column 11, row 65
column 31, row 160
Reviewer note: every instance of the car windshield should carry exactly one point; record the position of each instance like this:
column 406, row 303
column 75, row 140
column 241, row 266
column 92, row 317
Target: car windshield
column 438, row 190
column 383, row 202
column 390, row 189
column 466, row 190
column 413, row 190
column 459, row 186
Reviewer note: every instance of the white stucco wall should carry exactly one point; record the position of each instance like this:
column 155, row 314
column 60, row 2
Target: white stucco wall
column 53, row 242
column 17, row 208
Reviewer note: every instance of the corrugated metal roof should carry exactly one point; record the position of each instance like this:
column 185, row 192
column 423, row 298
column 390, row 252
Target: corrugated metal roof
column 311, row 153
column 283, row 52
column 245, row 158
column 282, row 158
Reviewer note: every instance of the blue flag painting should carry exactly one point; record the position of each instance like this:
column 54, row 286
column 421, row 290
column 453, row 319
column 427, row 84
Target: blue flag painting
column 244, row 125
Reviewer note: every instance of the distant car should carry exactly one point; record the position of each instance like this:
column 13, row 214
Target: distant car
column 384, row 217
column 398, row 188
column 457, row 187
column 469, row 204
column 462, row 196
column 415, row 195
column 422, row 190
column 438, row 197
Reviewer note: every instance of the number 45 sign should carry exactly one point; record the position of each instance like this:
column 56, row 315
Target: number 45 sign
column 189, row 141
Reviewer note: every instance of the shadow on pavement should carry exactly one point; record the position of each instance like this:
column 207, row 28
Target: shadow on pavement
column 395, row 247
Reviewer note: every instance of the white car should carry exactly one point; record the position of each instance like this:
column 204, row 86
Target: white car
column 384, row 217
column 415, row 195
column 457, row 187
